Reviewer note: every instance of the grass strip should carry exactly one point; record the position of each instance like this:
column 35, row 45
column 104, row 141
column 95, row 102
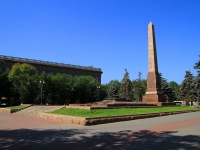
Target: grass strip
column 118, row 111
column 17, row 107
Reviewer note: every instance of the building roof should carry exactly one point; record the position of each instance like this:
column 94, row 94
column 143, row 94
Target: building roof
column 48, row 63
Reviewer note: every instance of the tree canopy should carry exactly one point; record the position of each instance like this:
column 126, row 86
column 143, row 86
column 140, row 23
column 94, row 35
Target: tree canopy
column 126, row 87
column 197, row 81
column 85, row 88
column 24, row 81
column 187, row 88
column 5, row 85
column 113, row 89
column 139, row 87
column 175, row 90
column 166, row 89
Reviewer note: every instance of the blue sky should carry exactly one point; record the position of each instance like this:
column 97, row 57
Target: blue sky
column 108, row 34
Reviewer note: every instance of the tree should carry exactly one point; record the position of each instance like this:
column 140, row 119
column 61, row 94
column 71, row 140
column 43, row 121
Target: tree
column 197, row 65
column 113, row 88
column 59, row 88
column 5, row 85
column 139, row 87
column 165, row 88
column 2, row 67
column 175, row 89
column 187, row 88
column 197, row 81
column 103, row 91
column 46, row 87
column 85, row 89
column 126, row 87
column 113, row 91
column 25, row 82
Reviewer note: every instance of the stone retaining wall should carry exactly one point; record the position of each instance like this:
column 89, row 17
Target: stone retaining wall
column 101, row 120
column 78, row 106
column 62, row 118
column 5, row 110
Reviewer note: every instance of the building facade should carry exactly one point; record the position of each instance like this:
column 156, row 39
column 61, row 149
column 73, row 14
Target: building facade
column 53, row 67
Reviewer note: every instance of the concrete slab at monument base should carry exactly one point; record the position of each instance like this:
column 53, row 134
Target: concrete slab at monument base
column 153, row 98
column 158, row 100
column 162, row 103
column 117, row 103
column 148, row 101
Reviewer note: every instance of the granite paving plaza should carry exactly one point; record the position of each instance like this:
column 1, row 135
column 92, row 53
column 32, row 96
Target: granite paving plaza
column 180, row 131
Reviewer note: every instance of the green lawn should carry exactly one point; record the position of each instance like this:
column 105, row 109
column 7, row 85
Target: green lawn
column 17, row 107
column 118, row 111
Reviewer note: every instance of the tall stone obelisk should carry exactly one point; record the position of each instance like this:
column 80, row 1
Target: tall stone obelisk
column 153, row 92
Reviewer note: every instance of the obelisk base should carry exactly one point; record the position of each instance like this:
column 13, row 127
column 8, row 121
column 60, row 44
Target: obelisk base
column 153, row 98
column 157, row 99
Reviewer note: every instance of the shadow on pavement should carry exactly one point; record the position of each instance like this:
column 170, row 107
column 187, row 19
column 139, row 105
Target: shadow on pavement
column 75, row 139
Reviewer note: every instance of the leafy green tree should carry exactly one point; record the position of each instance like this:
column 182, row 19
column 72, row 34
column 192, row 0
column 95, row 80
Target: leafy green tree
column 2, row 67
column 25, row 82
column 113, row 89
column 59, row 88
column 103, row 91
column 187, row 89
column 126, row 87
column 166, row 89
column 139, row 87
column 198, row 86
column 197, row 67
column 175, row 89
column 85, row 89
column 5, row 85
column 44, row 83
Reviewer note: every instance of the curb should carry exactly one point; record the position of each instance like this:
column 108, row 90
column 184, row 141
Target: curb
column 102, row 120
column 16, row 110
column 7, row 110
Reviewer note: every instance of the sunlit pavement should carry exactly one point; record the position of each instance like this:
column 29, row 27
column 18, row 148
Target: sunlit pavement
column 181, row 132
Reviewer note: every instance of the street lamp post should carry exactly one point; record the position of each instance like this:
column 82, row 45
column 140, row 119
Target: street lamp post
column 98, row 87
column 41, row 82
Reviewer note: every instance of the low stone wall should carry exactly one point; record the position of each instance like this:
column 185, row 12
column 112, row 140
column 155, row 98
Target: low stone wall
column 62, row 118
column 88, row 107
column 5, row 110
column 101, row 120
column 78, row 106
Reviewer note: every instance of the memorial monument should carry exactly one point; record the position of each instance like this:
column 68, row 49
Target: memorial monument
column 153, row 92
column 153, row 97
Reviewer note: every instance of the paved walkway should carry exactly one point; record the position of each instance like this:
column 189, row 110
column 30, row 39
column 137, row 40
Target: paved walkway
column 175, row 132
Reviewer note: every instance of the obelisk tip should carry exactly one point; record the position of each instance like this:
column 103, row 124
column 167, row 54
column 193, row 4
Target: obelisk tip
column 150, row 23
